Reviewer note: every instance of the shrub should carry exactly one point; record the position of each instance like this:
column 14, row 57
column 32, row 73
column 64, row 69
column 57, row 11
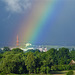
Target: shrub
column 2, row 73
column 70, row 73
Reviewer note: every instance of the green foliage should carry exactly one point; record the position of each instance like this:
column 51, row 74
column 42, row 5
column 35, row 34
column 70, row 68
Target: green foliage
column 16, row 61
column 12, row 63
column 17, row 50
column 44, row 70
column 30, row 62
column 54, row 68
column 6, row 49
column 53, row 54
column 37, row 70
column 70, row 73
column 31, row 50
column 2, row 73
column 1, row 56
column 62, row 67
column 72, row 54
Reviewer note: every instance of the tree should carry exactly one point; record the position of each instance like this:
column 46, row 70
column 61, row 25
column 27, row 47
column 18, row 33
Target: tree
column 48, row 70
column 70, row 73
column 63, row 56
column 17, row 50
column 72, row 54
column 6, row 49
column 30, row 62
column 52, row 54
column 44, row 69
column 12, row 63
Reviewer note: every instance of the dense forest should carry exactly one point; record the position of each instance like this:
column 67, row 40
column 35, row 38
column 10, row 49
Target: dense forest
column 33, row 61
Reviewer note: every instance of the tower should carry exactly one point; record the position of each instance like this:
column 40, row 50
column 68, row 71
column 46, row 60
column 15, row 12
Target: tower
column 17, row 42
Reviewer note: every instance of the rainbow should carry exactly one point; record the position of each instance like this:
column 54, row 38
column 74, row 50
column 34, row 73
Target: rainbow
column 31, row 28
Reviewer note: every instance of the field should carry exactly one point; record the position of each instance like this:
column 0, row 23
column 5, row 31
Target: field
column 53, row 73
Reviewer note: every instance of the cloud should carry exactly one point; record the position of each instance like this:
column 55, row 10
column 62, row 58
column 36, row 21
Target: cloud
column 17, row 5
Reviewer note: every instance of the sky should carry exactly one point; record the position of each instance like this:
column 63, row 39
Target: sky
column 58, row 28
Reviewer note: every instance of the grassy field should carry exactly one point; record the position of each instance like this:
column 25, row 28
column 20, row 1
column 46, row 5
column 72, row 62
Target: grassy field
column 53, row 73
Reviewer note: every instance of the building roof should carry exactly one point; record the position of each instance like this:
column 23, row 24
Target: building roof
column 72, row 62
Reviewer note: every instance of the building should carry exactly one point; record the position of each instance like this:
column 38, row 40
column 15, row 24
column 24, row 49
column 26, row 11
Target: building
column 72, row 62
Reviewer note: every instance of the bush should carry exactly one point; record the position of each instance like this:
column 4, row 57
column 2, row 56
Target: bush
column 2, row 73
column 70, row 73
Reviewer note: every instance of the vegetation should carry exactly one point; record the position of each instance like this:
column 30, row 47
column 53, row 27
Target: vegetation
column 19, row 62
column 70, row 73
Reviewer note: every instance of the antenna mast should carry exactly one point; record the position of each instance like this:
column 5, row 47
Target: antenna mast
column 17, row 42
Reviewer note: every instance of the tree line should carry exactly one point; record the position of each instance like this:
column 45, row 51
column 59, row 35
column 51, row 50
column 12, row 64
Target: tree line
column 33, row 61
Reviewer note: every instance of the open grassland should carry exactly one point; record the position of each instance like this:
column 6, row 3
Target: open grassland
column 53, row 73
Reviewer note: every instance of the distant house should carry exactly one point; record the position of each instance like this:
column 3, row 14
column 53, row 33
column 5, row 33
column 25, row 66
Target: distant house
column 72, row 62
